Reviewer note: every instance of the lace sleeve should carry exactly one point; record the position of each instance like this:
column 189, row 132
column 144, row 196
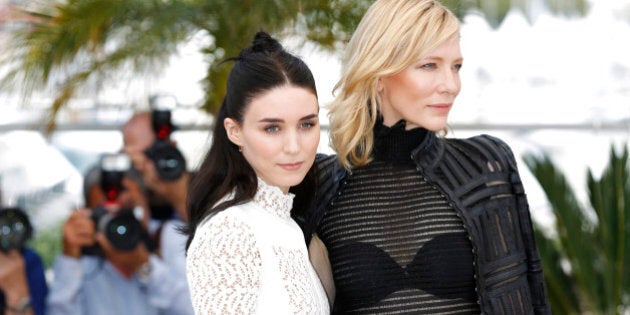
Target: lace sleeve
column 223, row 267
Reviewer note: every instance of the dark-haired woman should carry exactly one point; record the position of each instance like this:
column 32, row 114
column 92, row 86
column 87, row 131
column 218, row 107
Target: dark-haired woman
column 245, row 254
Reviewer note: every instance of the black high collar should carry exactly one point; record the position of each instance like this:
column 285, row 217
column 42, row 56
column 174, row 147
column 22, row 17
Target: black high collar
column 395, row 144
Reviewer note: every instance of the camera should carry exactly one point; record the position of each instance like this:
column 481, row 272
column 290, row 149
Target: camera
column 119, row 224
column 121, row 228
column 15, row 229
column 168, row 160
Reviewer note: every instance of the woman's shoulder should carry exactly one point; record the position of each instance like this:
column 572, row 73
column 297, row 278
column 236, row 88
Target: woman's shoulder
column 485, row 147
column 325, row 161
column 329, row 174
column 231, row 223
column 232, row 216
column 485, row 140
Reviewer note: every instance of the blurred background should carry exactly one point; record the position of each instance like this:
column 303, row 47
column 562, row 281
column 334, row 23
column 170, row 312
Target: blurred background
column 550, row 77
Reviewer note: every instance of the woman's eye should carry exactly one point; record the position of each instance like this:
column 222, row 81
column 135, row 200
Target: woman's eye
column 457, row 67
column 307, row 125
column 430, row 65
column 272, row 129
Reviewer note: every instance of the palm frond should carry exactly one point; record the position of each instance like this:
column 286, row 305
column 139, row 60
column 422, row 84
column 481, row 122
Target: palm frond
column 595, row 250
column 70, row 42
column 609, row 197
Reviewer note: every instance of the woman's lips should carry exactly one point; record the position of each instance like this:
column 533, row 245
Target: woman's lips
column 291, row 166
column 441, row 108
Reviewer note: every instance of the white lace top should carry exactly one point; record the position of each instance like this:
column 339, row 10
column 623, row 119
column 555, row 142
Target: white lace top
column 252, row 259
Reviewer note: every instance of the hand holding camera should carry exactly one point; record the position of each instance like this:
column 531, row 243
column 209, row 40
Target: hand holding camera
column 156, row 157
column 120, row 212
column 78, row 232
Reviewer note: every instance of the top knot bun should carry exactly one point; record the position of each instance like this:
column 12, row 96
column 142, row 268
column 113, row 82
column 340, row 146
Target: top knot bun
column 263, row 42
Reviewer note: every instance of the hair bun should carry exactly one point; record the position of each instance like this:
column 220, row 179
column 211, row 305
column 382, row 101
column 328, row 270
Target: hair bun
column 263, row 42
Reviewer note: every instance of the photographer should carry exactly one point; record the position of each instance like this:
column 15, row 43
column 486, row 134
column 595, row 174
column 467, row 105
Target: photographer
column 23, row 287
column 108, row 268
column 146, row 137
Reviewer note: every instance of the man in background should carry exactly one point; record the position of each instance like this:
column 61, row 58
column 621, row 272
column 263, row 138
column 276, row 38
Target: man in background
column 23, row 287
column 167, row 197
column 93, row 275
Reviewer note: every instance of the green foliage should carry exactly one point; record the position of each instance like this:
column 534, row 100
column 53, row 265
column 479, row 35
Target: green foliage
column 65, row 44
column 587, row 264
column 324, row 22
column 495, row 11
column 70, row 43
column 48, row 244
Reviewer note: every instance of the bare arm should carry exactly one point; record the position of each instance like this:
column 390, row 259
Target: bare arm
column 318, row 254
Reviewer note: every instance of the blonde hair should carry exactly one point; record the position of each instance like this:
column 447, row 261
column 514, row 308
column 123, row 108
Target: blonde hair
column 391, row 36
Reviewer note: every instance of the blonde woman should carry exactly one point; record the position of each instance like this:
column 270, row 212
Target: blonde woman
column 415, row 222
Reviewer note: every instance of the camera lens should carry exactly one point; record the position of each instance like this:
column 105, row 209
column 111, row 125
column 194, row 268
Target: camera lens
column 168, row 160
column 15, row 229
column 121, row 229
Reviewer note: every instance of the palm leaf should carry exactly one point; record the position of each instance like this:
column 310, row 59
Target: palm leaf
column 609, row 197
column 68, row 43
column 595, row 249
column 564, row 299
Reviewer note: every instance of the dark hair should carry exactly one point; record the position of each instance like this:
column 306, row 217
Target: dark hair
column 258, row 68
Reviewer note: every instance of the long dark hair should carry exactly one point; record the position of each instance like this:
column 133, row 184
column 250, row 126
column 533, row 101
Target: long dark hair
column 258, row 68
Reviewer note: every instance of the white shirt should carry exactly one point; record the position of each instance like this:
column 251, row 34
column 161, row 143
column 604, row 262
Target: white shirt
column 252, row 259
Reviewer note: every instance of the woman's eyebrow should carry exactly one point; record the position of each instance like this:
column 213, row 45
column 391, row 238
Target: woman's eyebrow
column 279, row 120
column 311, row 116
column 271, row 120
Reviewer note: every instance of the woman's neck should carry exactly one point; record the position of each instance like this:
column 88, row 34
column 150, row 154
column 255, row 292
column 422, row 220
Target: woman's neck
column 395, row 143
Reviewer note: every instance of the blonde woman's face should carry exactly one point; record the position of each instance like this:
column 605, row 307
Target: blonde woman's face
column 279, row 135
column 423, row 93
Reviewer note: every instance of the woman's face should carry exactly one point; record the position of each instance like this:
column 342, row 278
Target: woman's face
column 423, row 93
column 279, row 134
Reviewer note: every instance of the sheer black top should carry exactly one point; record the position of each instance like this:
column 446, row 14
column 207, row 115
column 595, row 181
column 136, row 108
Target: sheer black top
column 395, row 243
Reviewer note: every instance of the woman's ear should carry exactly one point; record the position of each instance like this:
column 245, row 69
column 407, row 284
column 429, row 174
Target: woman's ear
column 233, row 130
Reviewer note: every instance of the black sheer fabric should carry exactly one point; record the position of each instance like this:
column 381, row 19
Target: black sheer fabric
column 395, row 243
column 480, row 179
